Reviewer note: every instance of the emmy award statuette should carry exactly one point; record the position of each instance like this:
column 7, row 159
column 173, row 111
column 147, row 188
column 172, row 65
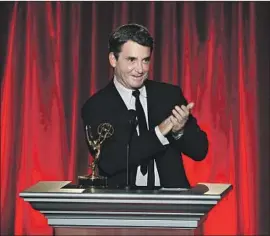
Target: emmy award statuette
column 104, row 131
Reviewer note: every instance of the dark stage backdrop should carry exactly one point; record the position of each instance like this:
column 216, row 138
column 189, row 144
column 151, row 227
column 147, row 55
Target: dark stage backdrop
column 54, row 56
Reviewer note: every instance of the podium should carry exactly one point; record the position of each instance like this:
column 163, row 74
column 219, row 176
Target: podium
column 71, row 210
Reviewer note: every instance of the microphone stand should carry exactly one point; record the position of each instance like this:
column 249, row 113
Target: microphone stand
column 128, row 181
column 133, row 123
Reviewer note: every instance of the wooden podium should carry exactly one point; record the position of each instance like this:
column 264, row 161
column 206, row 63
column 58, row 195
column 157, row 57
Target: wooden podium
column 76, row 211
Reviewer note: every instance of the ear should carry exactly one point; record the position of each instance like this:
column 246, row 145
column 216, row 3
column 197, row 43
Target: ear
column 112, row 59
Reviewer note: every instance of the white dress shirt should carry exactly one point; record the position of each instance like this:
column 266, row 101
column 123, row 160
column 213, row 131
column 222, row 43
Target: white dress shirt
column 129, row 100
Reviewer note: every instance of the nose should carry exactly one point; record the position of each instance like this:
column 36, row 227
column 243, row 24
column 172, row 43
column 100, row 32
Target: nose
column 139, row 67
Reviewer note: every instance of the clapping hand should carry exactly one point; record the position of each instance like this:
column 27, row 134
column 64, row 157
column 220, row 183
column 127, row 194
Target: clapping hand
column 180, row 116
column 177, row 120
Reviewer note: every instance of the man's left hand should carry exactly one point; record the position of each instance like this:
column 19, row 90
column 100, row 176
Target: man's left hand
column 180, row 116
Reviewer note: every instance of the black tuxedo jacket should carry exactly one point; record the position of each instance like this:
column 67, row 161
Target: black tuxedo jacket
column 107, row 106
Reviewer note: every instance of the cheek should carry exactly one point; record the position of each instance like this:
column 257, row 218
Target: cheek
column 146, row 68
column 130, row 68
column 125, row 68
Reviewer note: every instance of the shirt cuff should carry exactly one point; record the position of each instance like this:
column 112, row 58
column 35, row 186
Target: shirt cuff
column 160, row 136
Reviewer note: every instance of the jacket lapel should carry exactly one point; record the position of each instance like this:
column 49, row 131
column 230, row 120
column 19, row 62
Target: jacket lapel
column 116, row 102
column 150, row 104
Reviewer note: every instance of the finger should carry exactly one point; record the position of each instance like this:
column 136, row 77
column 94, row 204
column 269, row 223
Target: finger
column 190, row 106
column 185, row 109
column 178, row 115
column 182, row 113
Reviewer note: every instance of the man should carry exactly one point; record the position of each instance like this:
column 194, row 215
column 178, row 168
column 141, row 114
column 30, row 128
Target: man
column 165, row 127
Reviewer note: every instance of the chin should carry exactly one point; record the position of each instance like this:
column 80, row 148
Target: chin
column 137, row 85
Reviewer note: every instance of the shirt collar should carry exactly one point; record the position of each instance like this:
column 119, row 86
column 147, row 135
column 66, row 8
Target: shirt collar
column 128, row 92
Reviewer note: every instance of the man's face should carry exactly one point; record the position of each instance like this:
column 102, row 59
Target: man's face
column 132, row 66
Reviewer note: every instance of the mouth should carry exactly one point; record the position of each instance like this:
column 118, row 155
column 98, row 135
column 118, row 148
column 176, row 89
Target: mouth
column 138, row 76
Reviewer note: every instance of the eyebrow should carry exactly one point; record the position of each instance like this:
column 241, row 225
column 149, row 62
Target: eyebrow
column 131, row 57
column 146, row 58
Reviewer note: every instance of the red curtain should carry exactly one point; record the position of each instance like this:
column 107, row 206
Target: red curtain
column 57, row 57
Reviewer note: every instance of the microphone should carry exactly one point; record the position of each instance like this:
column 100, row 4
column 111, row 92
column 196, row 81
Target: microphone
column 133, row 122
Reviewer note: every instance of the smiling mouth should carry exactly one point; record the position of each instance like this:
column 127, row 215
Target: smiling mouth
column 138, row 76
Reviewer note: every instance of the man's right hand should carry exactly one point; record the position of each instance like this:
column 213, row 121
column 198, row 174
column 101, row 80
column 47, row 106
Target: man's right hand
column 166, row 126
column 177, row 120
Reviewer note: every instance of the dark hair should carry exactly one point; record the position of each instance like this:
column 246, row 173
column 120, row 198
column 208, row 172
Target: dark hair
column 134, row 32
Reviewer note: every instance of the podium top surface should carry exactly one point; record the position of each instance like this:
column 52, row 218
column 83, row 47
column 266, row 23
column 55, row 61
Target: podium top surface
column 64, row 189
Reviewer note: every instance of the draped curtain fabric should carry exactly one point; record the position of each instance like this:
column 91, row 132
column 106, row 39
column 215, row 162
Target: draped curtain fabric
column 56, row 56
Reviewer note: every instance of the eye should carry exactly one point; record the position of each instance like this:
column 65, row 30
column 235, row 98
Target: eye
column 131, row 59
column 146, row 60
